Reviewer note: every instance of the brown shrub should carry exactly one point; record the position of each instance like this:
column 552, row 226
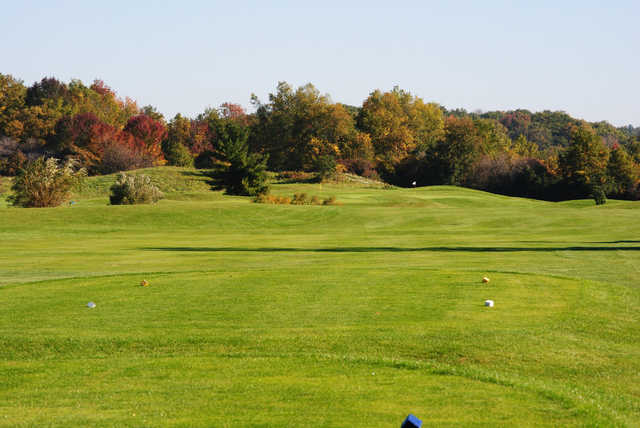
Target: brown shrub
column 45, row 183
column 119, row 157
column 331, row 200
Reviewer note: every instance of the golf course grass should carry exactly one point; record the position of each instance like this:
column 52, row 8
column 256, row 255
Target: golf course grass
column 319, row 316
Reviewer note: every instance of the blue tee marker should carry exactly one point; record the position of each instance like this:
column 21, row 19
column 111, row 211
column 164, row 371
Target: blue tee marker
column 411, row 422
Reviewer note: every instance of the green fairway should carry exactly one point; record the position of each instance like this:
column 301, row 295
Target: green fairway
column 336, row 316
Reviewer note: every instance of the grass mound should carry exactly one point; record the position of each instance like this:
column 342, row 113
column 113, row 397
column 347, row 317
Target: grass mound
column 175, row 182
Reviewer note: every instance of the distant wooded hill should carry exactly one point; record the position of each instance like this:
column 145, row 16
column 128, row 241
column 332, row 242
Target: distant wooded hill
column 393, row 135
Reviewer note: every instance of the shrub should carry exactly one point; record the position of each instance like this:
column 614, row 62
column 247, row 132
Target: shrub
column 134, row 189
column 119, row 157
column 598, row 195
column 330, row 201
column 300, row 199
column 45, row 183
column 296, row 177
column 262, row 198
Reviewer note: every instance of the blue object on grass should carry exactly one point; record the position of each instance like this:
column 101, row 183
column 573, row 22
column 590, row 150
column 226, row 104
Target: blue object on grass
column 411, row 422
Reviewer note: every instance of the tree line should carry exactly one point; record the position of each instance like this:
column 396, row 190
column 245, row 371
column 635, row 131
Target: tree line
column 394, row 136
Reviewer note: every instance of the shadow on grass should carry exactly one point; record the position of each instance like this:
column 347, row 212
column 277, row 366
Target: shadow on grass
column 389, row 249
column 206, row 173
column 614, row 242
column 195, row 173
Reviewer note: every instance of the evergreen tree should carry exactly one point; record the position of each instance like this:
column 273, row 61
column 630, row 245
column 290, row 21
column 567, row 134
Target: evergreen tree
column 176, row 153
column 239, row 172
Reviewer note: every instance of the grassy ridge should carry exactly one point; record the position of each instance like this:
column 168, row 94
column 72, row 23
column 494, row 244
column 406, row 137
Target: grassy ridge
column 319, row 316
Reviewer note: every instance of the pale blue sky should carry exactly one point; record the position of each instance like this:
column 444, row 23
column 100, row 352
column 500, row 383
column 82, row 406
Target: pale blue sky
column 582, row 57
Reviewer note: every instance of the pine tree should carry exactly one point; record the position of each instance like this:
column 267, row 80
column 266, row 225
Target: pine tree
column 239, row 172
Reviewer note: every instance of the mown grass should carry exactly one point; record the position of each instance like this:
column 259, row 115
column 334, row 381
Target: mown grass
column 350, row 315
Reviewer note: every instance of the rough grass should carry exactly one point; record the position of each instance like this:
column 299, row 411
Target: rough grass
column 351, row 315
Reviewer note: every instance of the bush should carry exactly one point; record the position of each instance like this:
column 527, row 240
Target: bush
column 134, row 189
column 598, row 195
column 119, row 157
column 262, row 198
column 300, row 199
column 45, row 183
column 296, row 177
column 330, row 201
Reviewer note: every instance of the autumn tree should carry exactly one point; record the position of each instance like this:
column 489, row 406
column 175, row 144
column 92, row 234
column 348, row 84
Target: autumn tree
column 12, row 103
column 49, row 88
column 298, row 126
column 46, row 102
column 234, row 112
column 398, row 124
column 493, row 137
column 633, row 148
column 454, row 154
column 83, row 137
column 517, row 122
column 50, row 100
column 448, row 161
column 149, row 133
column 583, row 164
column 622, row 174
column 523, row 147
column 153, row 113
column 100, row 100
column 176, row 143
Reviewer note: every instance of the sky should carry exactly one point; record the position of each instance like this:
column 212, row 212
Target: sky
column 581, row 57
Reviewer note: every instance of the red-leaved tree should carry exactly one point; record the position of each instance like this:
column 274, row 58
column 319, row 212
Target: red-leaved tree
column 84, row 137
column 149, row 134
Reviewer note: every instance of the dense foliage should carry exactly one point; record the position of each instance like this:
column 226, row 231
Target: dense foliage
column 45, row 183
column 239, row 172
column 393, row 135
column 134, row 189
